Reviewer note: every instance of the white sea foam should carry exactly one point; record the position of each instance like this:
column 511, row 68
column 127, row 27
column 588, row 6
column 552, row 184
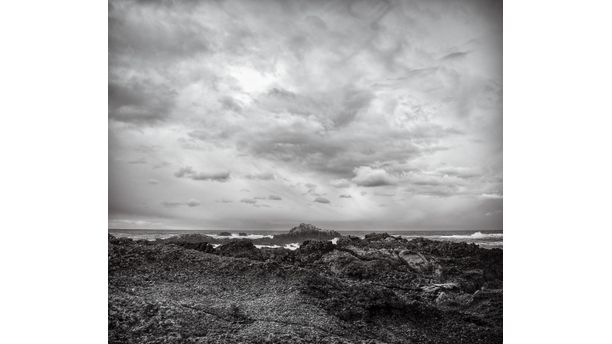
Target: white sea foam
column 237, row 236
column 147, row 236
column 267, row 246
column 293, row 246
column 477, row 235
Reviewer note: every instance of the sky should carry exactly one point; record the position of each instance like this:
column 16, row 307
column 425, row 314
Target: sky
column 363, row 115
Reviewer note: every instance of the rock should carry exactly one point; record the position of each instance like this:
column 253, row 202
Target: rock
column 198, row 246
column 240, row 249
column 380, row 289
column 440, row 286
column 316, row 246
column 377, row 236
column 416, row 261
column 304, row 229
column 448, row 299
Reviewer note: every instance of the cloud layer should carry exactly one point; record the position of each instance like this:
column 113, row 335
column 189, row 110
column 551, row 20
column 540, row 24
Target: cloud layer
column 382, row 114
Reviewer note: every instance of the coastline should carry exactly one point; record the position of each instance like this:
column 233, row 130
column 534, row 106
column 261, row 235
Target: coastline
column 379, row 289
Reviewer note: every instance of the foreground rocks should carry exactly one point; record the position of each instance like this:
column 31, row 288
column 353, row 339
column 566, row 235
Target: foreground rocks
column 380, row 289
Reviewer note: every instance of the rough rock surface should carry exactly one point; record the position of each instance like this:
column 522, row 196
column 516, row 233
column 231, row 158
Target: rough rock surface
column 380, row 289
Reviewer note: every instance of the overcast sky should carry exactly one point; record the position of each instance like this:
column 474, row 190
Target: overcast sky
column 345, row 114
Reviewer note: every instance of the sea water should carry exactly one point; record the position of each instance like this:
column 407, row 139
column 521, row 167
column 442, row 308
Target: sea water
column 482, row 238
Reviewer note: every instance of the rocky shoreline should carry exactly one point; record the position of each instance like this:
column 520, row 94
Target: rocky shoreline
column 380, row 289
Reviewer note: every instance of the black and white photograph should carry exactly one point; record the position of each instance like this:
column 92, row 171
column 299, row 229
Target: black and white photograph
column 305, row 171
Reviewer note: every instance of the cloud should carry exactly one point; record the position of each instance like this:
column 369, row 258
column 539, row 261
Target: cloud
column 248, row 200
column 189, row 172
column 340, row 183
column 153, row 181
column 261, row 176
column 491, row 196
column 274, row 198
column 321, row 200
column 193, row 203
column 461, row 172
column 137, row 162
column 370, row 177
column 139, row 101
column 311, row 101
column 346, row 196
column 173, row 204
column 161, row 165
column 456, row 55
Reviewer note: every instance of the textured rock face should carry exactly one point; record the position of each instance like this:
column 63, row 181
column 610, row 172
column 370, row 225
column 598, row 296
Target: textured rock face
column 240, row 249
column 308, row 229
column 379, row 289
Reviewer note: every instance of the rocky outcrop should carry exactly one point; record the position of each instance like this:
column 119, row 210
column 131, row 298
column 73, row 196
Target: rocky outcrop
column 304, row 229
column 379, row 289
column 240, row 249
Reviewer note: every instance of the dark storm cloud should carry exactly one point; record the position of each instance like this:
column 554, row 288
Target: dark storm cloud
column 193, row 203
column 147, row 37
column 139, row 102
column 189, row 172
column 230, row 104
column 334, row 109
column 311, row 100
column 331, row 153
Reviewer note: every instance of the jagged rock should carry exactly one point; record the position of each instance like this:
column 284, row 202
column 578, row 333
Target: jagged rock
column 182, row 290
column 189, row 238
column 240, row 249
column 199, row 246
column 315, row 246
column 416, row 261
column 304, row 229
column 439, row 286
column 377, row 236
column 357, row 302
column 449, row 299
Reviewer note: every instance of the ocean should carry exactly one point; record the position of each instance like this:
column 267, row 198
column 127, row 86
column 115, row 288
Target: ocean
column 483, row 238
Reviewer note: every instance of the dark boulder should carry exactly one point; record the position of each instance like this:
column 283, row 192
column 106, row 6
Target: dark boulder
column 198, row 246
column 240, row 249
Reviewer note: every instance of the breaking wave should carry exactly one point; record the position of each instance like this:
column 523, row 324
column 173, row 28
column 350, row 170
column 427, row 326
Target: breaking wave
column 237, row 236
column 477, row 235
